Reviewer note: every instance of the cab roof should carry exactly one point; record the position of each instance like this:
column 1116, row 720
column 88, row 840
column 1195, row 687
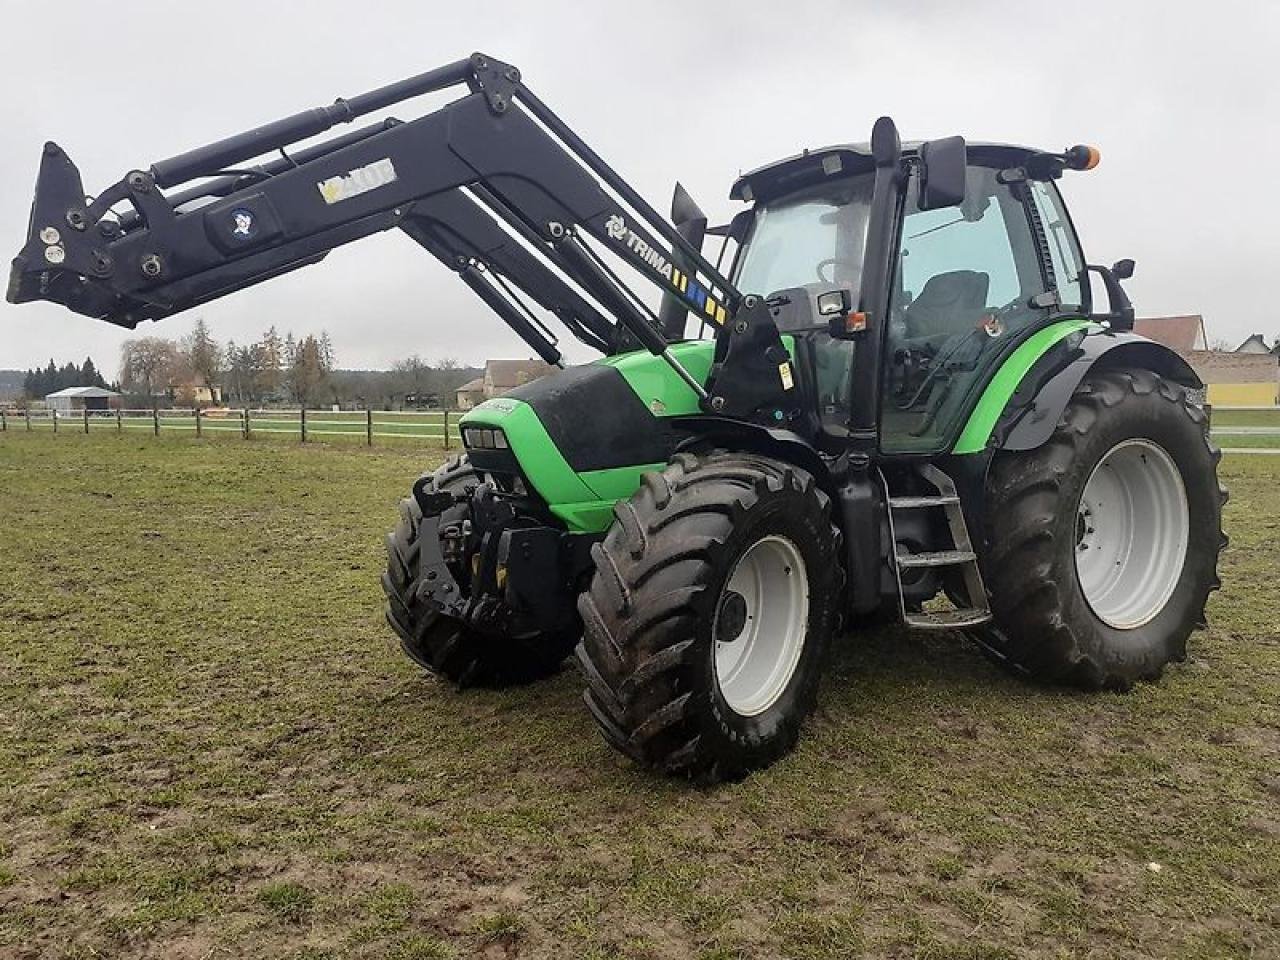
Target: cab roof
column 811, row 166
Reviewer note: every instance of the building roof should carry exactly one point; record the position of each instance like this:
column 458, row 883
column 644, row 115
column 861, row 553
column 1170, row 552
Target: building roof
column 1255, row 344
column 505, row 374
column 81, row 392
column 472, row 386
column 1226, row 366
column 1182, row 334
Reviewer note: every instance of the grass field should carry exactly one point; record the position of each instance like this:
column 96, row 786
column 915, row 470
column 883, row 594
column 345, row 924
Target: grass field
column 210, row 749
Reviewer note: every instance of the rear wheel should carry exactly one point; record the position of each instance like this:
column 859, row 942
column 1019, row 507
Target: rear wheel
column 1105, row 541
column 442, row 645
column 715, row 596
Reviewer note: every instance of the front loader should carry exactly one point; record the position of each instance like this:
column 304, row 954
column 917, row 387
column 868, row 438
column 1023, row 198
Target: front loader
column 891, row 395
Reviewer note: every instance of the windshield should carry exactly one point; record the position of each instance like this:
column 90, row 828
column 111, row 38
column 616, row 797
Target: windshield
column 812, row 238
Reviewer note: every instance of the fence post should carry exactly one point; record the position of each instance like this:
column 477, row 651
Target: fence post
column 198, row 433
column 446, row 428
column 55, row 420
column 27, row 411
column 302, row 421
column 119, row 421
column 4, row 423
column 86, row 419
column 155, row 419
column 246, row 423
column 368, row 426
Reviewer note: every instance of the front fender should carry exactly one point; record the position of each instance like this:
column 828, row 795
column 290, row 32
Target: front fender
column 1036, row 407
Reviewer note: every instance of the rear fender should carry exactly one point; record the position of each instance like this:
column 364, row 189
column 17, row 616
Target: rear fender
column 1036, row 407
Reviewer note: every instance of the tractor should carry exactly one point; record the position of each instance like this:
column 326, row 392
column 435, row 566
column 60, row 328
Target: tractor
column 891, row 395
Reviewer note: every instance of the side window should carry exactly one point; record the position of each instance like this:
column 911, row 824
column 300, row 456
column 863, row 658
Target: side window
column 1064, row 249
column 965, row 280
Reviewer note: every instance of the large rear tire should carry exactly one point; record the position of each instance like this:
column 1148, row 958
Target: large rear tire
column 442, row 645
column 715, row 596
column 1105, row 541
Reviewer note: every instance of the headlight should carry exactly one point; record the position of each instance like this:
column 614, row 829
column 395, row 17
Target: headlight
column 484, row 438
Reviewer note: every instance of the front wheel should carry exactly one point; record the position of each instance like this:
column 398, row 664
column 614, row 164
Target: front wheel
column 440, row 644
column 1105, row 541
column 715, row 595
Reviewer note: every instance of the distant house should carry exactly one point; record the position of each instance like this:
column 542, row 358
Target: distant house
column 1183, row 334
column 499, row 377
column 75, row 399
column 503, row 375
column 195, row 392
column 1255, row 344
column 1237, row 379
column 470, row 393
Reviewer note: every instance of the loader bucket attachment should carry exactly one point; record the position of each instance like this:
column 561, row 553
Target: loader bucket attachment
column 60, row 258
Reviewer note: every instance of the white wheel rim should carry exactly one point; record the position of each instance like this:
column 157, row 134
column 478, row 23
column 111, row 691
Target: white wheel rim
column 1132, row 526
column 755, row 666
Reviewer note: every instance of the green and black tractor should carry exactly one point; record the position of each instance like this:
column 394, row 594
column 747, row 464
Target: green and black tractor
column 891, row 395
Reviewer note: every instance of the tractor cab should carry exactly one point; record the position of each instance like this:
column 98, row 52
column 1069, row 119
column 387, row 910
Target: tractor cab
column 966, row 282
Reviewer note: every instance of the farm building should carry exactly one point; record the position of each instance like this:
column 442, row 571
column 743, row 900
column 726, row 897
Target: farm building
column 75, row 399
column 1248, row 376
column 470, row 393
column 1183, row 334
column 1258, row 344
column 499, row 377
column 1237, row 379
column 503, row 375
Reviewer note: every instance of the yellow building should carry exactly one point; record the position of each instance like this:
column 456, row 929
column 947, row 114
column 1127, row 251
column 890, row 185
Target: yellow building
column 1238, row 379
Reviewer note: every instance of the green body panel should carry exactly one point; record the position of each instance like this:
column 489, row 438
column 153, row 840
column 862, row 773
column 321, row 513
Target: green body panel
column 660, row 387
column 584, row 501
column 982, row 421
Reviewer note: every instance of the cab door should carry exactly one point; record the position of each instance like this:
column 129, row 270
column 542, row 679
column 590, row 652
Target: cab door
column 970, row 283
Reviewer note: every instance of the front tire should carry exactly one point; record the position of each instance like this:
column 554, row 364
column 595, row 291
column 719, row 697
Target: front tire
column 442, row 645
column 1105, row 541
column 715, row 596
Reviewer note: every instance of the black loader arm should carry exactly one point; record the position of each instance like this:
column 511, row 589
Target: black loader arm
column 493, row 184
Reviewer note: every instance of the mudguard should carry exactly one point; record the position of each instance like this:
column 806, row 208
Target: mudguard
column 1037, row 404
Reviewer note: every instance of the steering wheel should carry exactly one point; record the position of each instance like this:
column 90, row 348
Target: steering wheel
column 832, row 262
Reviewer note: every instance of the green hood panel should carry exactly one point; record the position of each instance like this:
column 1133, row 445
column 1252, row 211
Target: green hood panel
column 584, row 499
column 660, row 387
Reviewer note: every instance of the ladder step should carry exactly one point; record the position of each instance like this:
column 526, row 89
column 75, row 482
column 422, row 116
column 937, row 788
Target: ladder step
column 948, row 619
column 941, row 558
column 909, row 503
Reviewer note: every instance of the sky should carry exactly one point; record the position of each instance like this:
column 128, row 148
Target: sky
column 1182, row 99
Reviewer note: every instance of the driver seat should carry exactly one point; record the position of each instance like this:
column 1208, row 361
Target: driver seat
column 950, row 303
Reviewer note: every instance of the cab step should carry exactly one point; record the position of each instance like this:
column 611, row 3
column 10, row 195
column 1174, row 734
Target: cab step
column 917, row 503
column 959, row 554
column 940, row 558
column 947, row 619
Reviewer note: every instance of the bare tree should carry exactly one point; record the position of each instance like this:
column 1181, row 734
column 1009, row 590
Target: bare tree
column 149, row 364
column 412, row 375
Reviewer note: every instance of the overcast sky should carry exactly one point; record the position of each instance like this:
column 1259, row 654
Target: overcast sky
column 1181, row 98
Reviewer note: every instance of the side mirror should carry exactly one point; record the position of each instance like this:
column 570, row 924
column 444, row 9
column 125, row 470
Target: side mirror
column 942, row 173
column 1120, row 315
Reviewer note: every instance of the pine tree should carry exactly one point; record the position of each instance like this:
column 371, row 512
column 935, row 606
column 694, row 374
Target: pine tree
column 326, row 352
column 204, row 356
column 89, row 375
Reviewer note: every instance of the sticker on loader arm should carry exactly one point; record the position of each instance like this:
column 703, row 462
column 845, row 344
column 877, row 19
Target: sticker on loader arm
column 784, row 371
column 358, row 181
